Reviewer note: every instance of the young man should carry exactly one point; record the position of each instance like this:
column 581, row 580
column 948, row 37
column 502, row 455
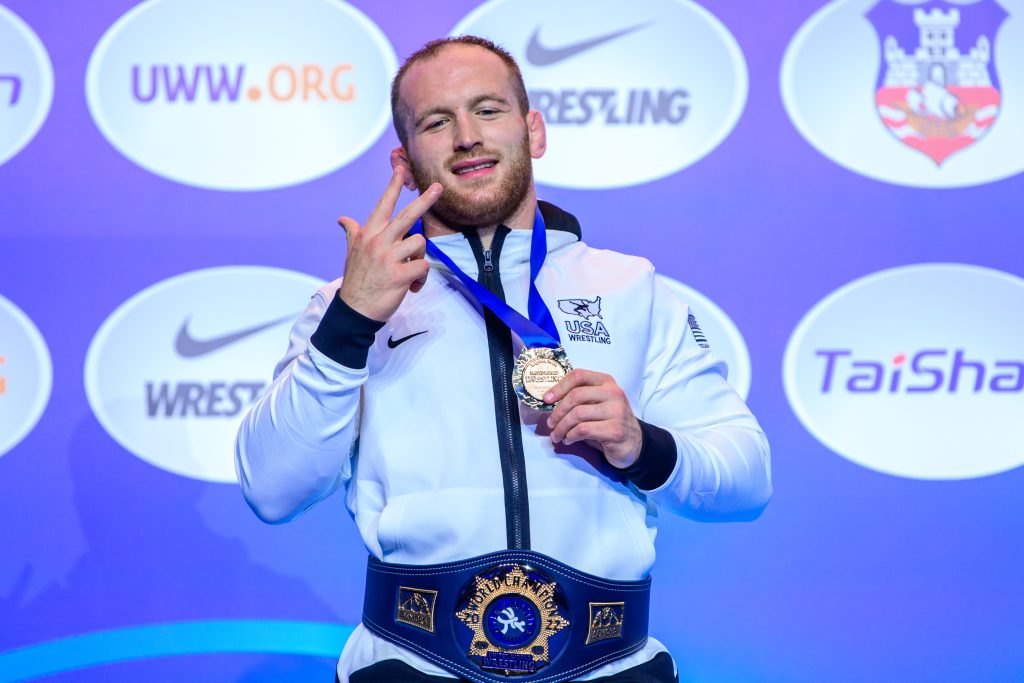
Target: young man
column 508, row 501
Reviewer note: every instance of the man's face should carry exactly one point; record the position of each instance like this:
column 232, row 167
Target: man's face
column 466, row 131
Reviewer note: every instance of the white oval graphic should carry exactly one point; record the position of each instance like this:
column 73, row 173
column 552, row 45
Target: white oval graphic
column 237, row 95
column 915, row 371
column 721, row 332
column 922, row 97
column 631, row 92
column 26, row 375
column 172, row 371
column 26, row 84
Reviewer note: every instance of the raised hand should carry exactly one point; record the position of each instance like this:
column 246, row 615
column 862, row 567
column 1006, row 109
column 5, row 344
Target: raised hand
column 381, row 266
column 592, row 408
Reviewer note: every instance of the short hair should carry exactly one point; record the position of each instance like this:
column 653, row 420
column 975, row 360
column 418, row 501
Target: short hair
column 431, row 49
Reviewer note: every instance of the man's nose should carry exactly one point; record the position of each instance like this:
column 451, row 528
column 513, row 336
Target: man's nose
column 467, row 133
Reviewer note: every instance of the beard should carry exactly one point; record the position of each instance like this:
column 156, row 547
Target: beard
column 466, row 208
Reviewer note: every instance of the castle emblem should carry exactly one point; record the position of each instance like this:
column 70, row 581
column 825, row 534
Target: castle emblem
column 937, row 88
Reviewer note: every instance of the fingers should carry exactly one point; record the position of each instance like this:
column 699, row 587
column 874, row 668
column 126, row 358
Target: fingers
column 380, row 221
column 400, row 161
column 578, row 396
column 412, row 247
column 574, row 379
column 393, row 229
column 414, row 271
column 593, row 408
column 605, row 435
column 351, row 228
column 386, row 205
column 415, row 247
column 413, row 211
column 574, row 426
column 417, row 285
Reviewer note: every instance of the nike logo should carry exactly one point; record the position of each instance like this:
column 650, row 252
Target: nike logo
column 188, row 346
column 539, row 55
column 393, row 343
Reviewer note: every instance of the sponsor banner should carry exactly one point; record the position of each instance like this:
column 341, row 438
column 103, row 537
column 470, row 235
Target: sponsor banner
column 26, row 84
column 630, row 94
column 236, row 95
column 26, row 375
column 712, row 328
column 916, row 372
column 173, row 370
column 911, row 93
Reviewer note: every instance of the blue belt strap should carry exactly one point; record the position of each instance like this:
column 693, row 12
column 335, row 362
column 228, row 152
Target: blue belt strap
column 513, row 615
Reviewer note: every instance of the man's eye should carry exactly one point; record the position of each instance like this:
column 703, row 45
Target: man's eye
column 435, row 124
column 488, row 112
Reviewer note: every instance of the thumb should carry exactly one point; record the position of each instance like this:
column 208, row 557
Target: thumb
column 351, row 228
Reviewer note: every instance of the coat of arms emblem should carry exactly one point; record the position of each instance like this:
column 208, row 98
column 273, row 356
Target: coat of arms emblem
column 937, row 90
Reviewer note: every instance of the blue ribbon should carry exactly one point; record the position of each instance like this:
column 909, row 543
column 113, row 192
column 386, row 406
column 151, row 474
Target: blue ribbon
column 537, row 330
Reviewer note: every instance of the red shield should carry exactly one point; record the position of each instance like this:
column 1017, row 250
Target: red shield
column 937, row 89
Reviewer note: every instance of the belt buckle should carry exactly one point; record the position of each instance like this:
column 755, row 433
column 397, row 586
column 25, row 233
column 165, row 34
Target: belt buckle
column 510, row 619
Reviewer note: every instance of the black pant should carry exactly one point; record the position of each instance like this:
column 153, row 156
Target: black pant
column 658, row 670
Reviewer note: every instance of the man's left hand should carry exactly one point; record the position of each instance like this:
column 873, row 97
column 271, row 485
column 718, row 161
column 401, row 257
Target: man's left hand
column 593, row 409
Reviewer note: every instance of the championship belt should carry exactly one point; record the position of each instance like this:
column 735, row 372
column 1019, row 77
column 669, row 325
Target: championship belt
column 542, row 363
column 513, row 615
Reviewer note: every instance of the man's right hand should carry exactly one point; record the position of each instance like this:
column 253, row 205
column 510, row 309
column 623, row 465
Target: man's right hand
column 381, row 266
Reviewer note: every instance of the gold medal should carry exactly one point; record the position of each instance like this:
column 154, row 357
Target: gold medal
column 537, row 370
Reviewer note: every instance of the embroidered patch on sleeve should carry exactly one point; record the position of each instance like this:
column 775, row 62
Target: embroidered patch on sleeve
column 698, row 334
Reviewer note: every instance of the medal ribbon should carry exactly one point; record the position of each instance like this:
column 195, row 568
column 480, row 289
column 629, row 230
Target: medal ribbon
column 537, row 330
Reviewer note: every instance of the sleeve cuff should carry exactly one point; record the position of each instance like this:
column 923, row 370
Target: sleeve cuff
column 657, row 459
column 345, row 335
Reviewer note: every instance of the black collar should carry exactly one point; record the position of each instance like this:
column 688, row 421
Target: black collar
column 554, row 219
column 557, row 219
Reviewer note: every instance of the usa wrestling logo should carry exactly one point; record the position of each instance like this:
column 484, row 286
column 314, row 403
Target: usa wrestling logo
column 590, row 328
column 937, row 90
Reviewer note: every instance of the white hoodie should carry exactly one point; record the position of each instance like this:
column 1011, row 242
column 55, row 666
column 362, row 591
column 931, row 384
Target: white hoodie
column 411, row 437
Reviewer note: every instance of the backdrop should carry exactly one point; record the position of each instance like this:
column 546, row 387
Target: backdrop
column 833, row 186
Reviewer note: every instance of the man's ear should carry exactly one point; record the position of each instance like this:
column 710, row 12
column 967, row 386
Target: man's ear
column 537, row 132
column 400, row 160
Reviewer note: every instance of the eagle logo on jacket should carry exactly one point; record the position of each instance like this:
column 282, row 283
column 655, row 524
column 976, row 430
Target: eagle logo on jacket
column 584, row 308
column 590, row 328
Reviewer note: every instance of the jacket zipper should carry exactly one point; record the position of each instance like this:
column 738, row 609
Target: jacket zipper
column 506, row 407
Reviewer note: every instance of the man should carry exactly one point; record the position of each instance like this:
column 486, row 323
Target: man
column 398, row 388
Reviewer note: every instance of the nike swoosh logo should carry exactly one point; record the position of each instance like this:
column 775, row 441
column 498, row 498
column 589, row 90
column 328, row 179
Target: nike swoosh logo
column 539, row 55
column 188, row 346
column 393, row 343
